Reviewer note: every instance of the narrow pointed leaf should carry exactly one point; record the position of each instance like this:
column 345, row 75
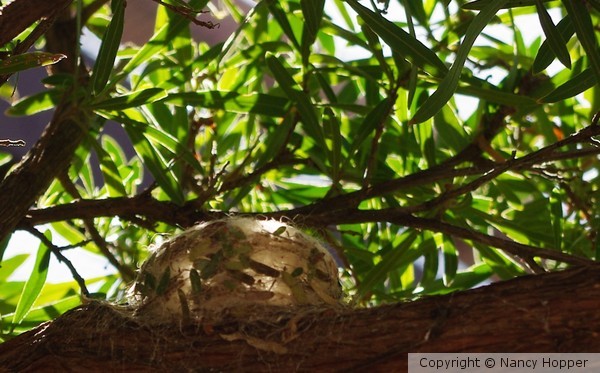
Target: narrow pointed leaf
column 584, row 29
column 112, row 179
column 389, row 262
column 557, row 217
column 157, row 137
column 371, row 121
column 132, row 99
column 480, row 4
column 545, row 55
column 281, row 18
column 20, row 62
column 158, row 42
column 35, row 103
column 34, row 283
column 553, row 35
column 574, row 86
column 305, row 107
column 448, row 86
column 109, row 47
column 256, row 103
column 312, row 10
column 400, row 41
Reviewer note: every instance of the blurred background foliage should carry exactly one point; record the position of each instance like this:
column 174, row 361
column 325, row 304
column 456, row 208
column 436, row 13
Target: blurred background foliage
column 429, row 143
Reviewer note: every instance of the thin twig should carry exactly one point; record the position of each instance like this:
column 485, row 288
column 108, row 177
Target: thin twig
column 7, row 142
column 396, row 216
column 188, row 13
column 61, row 258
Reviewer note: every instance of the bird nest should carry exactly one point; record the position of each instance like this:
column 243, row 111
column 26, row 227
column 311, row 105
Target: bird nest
column 235, row 267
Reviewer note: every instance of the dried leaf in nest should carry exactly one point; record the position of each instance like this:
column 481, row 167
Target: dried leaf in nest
column 236, row 267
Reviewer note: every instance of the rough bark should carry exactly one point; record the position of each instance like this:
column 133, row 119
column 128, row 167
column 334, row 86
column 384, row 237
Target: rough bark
column 556, row 312
column 18, row 15
column 54, row 150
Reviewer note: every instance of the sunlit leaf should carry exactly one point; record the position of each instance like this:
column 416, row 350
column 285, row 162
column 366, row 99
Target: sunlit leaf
column 256, row 103
column 159, row 40
column 554, row 37
column 312, row 10
column 112, row 179
column 557, row 217
column 305, row 107
column 10, row 265
column 25, row 61
column 400, row 254
column 586, row 34
column 111, row 41
column 546, row 55
column 35, row 282
column 35, row 103
column 448, row 86
column 480, row 4
column 399, row 40
column 574, row 86
column 132, row 99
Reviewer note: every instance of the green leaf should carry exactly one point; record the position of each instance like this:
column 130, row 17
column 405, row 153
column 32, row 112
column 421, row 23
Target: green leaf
column 584, row 29
column 448, row 86
column 332, row 131
column 375, row 118
column 157, row 136
column 9, row 265
column 545, row 55
column 312, row 10
column 109, row 47
column 480, row 4
column 160, row 39
column 276, row 141
column 163, row 176
column 450, row 262
column 571, row 88
column 281, row 18
column 35, row 282
column 391, row 261
column 35, row 103
column 20, row 62
column 553, row 35
column 400, row 41
column 305, row 107
column 132, row 99
column 557, row 217
column 255, row 103
column 464, row 280
column 112, row 178
column 431, row 255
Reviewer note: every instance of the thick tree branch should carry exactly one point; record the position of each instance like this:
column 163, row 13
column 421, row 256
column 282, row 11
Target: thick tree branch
column 18, row 15
column 553, row 312
column 51, row 155
column 55, row 148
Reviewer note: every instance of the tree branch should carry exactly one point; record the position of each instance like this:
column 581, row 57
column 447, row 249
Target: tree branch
column 18, row 15
column 55, row 148
column 553, row 312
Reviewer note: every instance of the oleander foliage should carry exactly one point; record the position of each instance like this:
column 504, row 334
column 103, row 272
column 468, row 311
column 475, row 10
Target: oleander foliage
column 429, row 143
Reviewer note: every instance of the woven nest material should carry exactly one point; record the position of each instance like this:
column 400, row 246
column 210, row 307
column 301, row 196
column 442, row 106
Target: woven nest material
column 235, row 266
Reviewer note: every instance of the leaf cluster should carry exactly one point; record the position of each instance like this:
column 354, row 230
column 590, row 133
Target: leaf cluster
column 431, row 153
